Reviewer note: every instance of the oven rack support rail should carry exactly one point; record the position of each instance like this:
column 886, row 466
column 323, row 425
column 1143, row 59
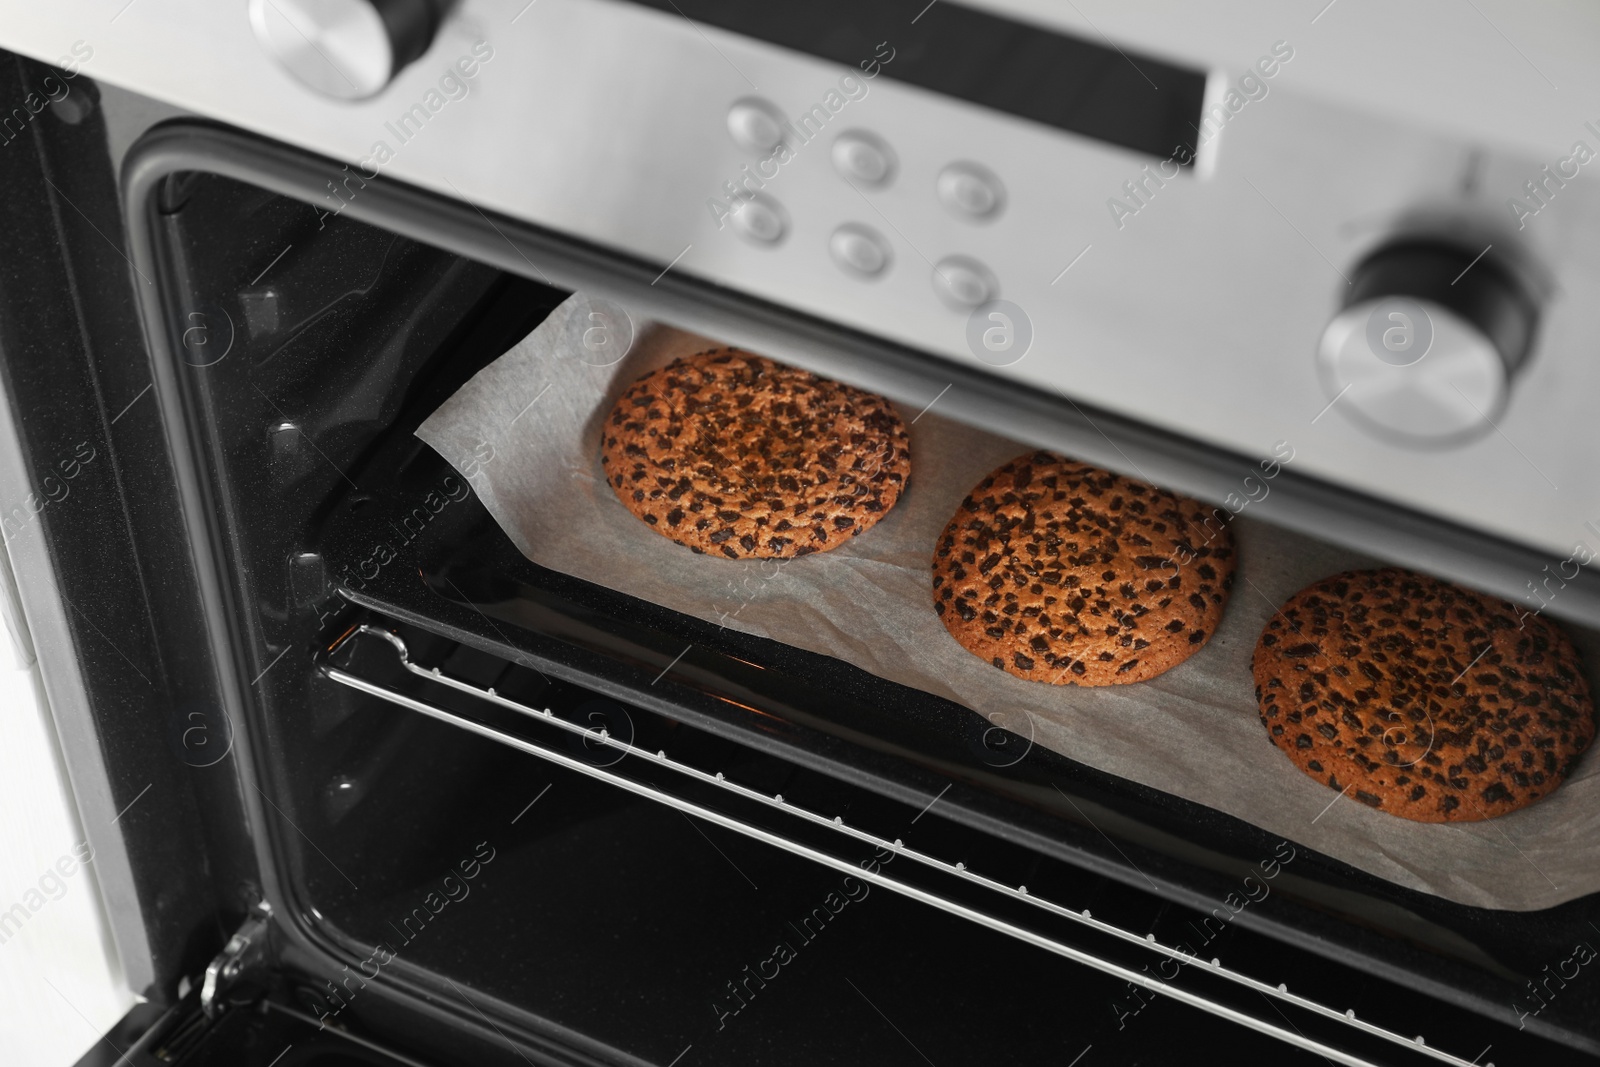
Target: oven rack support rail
column 594, row 735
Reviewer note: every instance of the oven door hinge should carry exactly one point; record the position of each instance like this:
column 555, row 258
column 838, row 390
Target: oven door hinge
column 238, row 974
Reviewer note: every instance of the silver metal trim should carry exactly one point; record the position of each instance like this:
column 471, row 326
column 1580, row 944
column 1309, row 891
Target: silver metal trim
column 58, row 668
column 1278, row 992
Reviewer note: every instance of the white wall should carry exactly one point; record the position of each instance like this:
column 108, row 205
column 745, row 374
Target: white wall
column 59, row 981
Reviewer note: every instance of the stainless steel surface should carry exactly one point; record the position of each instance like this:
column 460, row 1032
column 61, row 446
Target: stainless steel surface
column 598, row 736
column 1198, row 306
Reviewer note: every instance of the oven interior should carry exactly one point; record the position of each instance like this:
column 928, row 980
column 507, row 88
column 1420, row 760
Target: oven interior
column 588, row 880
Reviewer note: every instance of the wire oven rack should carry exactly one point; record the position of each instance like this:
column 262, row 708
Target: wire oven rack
column 1275, row 994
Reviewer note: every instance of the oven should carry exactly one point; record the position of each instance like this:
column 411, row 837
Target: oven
column 372, row 779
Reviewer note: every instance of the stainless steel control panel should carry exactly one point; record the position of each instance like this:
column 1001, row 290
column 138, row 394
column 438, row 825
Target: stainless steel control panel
column 1195, row 293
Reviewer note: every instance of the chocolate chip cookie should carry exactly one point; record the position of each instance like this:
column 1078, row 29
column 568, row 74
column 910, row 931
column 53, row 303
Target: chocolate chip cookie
column 1060, row 572
column 732, row 454
column 1420, row 698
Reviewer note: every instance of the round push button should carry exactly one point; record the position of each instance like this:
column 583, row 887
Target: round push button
column 859, row 250
column 755, row 125
column 963, row 282
column 862, row 158
column 971, row 191
column 760, row 220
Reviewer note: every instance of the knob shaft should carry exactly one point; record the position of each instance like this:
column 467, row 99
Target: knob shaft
column 346, row 49
column 1426, row 345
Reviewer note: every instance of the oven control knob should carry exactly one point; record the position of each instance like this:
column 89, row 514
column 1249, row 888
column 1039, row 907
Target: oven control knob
column 348, row 49
column 1426, row 345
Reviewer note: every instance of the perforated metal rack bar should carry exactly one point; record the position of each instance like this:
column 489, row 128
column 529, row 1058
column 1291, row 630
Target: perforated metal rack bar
column 1414, row 1045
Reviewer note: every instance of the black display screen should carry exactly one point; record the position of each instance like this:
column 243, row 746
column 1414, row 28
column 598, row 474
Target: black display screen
column 1089, row 87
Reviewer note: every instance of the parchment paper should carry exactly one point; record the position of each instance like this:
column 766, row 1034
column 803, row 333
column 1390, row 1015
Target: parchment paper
column 1192, row 731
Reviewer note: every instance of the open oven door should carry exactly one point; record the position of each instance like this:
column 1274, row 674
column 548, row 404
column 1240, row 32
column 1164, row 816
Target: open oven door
column 205, row 1030
column 79, row 440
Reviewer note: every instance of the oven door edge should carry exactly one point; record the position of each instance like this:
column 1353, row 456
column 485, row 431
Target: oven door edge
column 302, row 949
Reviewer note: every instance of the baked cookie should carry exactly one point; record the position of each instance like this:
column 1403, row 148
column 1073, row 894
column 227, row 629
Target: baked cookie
column 733, row 454
column 1420, row 698
column 1060, row 572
